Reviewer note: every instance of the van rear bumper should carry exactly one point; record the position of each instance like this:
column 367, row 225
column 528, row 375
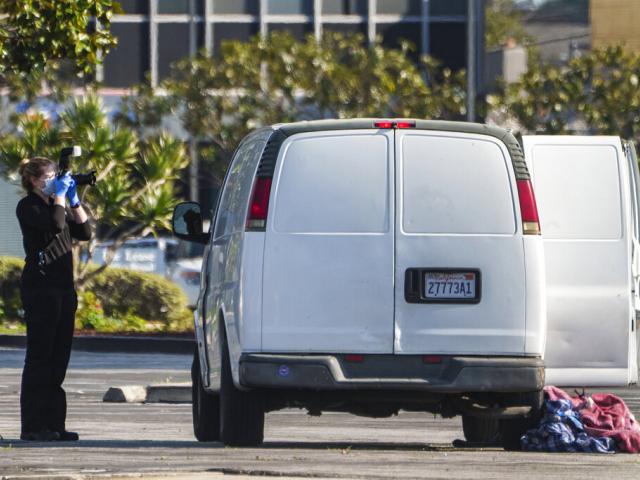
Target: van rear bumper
column 454, row 374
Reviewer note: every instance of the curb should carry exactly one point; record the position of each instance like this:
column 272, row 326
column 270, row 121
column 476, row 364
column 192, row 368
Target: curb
column 116, row 343
column 158, row 393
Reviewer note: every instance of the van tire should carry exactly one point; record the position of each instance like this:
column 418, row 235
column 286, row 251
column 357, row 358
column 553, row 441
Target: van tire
column 241, row 413
column 512, row 430
column 205, row 406
column 480, row 429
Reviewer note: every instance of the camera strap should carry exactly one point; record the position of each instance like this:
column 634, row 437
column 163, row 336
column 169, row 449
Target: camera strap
column 47, row 255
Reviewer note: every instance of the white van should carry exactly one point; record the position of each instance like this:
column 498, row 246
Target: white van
column 369, row 266
column 587, row 193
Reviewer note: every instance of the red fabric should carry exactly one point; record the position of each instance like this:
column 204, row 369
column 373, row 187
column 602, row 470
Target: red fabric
column 604, row 415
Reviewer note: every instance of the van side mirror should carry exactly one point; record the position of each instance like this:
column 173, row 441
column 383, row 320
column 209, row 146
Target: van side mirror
column 187, row 222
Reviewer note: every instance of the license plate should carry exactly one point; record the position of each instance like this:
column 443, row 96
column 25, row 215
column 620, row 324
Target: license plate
column 448, row 285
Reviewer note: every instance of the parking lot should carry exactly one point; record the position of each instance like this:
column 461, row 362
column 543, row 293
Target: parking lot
column 155, row 440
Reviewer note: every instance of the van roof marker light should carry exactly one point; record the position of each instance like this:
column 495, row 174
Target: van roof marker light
column 528, row 208
column 395, row 124
column 406, row 124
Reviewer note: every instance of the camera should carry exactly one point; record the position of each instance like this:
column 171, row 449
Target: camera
column 63, row 166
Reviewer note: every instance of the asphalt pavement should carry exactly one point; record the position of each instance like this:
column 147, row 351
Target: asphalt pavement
column 155, row 440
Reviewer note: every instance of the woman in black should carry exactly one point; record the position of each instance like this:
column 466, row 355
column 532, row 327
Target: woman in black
column 48, row 295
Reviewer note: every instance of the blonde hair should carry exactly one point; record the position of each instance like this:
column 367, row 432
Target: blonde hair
column 33, row 168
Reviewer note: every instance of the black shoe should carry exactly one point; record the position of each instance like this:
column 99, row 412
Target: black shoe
column 66, row 436
column 41, row 436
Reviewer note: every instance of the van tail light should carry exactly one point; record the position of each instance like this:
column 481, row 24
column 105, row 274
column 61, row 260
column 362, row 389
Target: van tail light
column 528, row 208
column 383, row 124
column 259, row 206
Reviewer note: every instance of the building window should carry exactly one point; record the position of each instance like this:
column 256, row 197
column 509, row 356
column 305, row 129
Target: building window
column 447, row 7
column 393, row 33
column 285, row 7
column 173, row 44
column 448, row 43
column 344, row 7
column 238, row 7
column 139, row 7
column 399, row 7
column 180, row 6
column 346, row 28
column 233, row 31
column 128, row 62
column 297, row 30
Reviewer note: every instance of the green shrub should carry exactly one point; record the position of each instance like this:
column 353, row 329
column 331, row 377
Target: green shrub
column 10, row 303
column 116, row 300
column 90, row 316
column 124, row 292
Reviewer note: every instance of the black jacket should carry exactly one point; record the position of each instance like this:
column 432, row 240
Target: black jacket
column 47, row 230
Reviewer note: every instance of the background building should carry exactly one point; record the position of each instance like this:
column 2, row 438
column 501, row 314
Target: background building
column 154, row 33
column 10, row 235
column 615, row 22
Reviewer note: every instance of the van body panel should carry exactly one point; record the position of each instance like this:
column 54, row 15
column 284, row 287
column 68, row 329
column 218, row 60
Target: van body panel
column 226, row 257
column 634, row 176
column 250, row 306
column 583, row 190
column 536, row 296
column 328, row 263
column 456, row 210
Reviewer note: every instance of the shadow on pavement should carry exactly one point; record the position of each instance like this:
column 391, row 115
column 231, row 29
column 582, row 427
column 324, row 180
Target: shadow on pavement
column 151, row 444
column 17, row 443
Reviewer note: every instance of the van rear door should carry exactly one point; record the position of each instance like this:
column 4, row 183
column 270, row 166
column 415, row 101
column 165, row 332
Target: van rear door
column 634, row 176
column 328, row 261
column 460, row 279
column 582, row 187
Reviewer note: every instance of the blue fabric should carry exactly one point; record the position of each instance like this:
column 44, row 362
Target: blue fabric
column 561, row 430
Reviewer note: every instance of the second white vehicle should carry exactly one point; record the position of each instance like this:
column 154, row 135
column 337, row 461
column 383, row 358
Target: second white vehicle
column 587, row 192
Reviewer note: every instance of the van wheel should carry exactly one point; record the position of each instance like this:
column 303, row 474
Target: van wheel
column 480, row 429
column 205, row 406
column 241, row 413
column 512, row 430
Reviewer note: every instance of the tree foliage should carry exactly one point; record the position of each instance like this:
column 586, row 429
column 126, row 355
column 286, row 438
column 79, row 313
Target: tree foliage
column 135, row 192
column 280, row 79
column 504, row 22
column 597, row 93
column 38, row 38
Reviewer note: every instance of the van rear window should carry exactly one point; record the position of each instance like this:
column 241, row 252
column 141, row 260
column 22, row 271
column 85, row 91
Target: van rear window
column 455, row 185
column 577, row 191
column 334, row 184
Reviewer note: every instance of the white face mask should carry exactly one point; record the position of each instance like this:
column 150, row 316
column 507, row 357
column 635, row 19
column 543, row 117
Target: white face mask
column 49, row 187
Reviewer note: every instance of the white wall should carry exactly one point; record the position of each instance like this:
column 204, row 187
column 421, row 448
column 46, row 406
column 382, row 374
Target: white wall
column 10, row 236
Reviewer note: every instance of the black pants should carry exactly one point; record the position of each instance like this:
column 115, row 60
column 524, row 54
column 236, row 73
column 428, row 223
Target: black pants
column 50, row 316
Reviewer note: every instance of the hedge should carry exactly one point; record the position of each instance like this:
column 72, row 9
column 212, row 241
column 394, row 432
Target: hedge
column 120, row 292
column 147, row 295
column 10, row 303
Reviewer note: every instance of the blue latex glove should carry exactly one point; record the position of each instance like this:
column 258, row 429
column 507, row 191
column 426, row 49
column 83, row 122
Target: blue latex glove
column 72, row 194
column 62, row 184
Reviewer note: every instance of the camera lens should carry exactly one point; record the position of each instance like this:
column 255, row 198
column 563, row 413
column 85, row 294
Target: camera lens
column 85, row 178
